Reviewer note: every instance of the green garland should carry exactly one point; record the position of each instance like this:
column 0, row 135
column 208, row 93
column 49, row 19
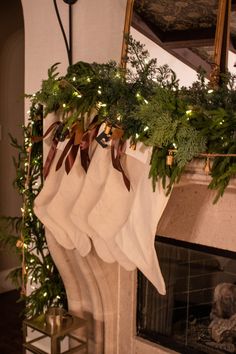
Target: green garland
column 37, row 277
column 148, row 104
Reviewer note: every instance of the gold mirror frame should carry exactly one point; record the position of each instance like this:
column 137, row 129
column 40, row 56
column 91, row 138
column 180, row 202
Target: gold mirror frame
column 222, row 35
column 128, row 19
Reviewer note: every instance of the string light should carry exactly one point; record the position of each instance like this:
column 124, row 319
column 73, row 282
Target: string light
column 100, row 104
column 76, row 94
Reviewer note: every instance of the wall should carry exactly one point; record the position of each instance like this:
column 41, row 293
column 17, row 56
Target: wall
column 11, row 117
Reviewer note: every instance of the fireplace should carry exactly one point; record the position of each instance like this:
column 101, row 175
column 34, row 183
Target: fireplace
column 194, row 316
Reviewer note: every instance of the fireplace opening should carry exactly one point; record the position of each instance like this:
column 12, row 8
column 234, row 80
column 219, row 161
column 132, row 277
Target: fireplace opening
column 198, row 313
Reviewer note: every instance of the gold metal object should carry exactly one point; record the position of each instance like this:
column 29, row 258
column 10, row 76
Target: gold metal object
column 169, row 159
column 69, row 324
column 107, row 129
column 133, row 146
column 127, row 24
column 207, row 167
column 54, row 317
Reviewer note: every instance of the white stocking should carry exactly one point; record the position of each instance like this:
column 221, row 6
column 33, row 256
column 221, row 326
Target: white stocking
column 94, row 182
column 113, row 207
column 48, row 191
column 60, row 207
column 136, row 238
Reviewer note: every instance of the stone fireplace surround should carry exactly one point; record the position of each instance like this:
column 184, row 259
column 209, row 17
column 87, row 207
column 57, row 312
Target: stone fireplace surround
column 105, row 294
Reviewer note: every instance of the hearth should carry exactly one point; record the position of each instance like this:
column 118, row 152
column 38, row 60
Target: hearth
column 198, row 313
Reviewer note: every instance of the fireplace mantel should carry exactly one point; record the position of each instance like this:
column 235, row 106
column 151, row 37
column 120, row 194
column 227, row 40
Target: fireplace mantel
column 195, row 174
column 191, row 216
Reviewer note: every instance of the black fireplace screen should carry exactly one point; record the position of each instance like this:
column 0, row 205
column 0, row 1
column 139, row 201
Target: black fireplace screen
column 198, row 314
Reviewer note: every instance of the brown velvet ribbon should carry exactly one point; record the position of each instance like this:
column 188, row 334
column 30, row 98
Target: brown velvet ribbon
column 117, row 147
column 72, row 147
column 65, row 152
column 53, row 148
column 87, row 139
column 36, row 139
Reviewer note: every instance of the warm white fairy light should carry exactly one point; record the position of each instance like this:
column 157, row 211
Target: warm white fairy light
column 74, row 78
column 146, row 128
column 88, row 79
column 45, row 294
column 136, row 135
column 146, row 101
column 210, row 91
column 188, row 112
column 100, row 104
column 76, row 94
column 64, row 105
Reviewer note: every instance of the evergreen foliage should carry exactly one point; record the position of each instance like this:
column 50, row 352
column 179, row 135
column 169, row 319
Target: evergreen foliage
column 26, row 234
column 148, row 104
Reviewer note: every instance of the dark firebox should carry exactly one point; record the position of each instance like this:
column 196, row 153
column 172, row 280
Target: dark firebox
column 198, row 314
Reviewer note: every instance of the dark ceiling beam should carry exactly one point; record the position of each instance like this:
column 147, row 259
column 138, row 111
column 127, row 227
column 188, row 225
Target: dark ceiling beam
column 201, row 37
column 183, row 54
column 178, row 39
